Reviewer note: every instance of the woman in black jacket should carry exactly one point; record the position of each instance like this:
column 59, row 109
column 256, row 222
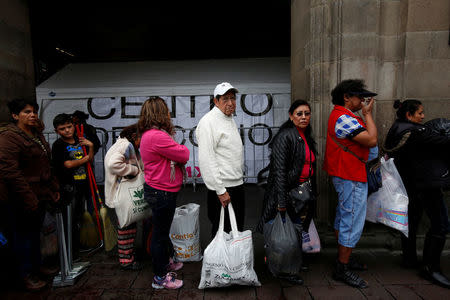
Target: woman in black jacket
column 420, row 155
column 292, row 162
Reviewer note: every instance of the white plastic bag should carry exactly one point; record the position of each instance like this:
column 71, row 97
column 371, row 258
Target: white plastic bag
column 185, row 232
column 129, row 201
column 389, row 205
column 228, row 259
column 310, row 239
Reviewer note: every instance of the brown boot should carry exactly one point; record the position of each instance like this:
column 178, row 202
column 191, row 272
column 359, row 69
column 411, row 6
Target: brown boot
column 33, row 283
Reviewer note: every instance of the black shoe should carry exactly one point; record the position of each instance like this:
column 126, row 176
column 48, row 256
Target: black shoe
column 134, row 266
column 436, row 277
column 343, row 273
column 295, row 279
column 355, row 265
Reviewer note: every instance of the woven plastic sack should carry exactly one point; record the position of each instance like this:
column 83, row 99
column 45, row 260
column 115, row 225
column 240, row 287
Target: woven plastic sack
column 185, row 232
column 389, row 205
column 228, row 259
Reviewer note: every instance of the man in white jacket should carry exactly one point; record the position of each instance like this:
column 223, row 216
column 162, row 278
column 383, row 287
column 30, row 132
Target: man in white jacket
column 221, row 158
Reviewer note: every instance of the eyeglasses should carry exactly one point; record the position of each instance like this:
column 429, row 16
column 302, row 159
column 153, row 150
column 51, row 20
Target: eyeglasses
column 303, row 113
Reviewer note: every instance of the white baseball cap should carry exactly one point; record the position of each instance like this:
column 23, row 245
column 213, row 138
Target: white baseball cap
column 223, row 88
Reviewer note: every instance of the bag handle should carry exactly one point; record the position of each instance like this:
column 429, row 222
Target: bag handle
column 233, row 223
column 232, row 218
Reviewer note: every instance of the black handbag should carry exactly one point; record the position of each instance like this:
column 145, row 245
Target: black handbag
column 302, row 193
column 372, row 169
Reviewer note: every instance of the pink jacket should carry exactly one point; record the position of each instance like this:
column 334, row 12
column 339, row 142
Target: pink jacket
column 157, row 150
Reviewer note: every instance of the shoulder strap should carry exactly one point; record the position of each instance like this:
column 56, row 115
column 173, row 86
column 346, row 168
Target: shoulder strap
column 400, row 144
column 346, row 149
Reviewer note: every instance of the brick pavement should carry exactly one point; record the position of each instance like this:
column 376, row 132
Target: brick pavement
column 104, row 280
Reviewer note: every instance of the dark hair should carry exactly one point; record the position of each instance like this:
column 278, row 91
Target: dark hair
column 292, row 108
column 130, row 133
column 62, row 119
column 410, row 105
column 346, row 87
column 17, row 105
column 155, row 114
column 290, row 124
column 82, row 116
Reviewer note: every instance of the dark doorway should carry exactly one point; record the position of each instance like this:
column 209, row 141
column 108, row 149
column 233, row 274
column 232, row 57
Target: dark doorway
column 65, row 32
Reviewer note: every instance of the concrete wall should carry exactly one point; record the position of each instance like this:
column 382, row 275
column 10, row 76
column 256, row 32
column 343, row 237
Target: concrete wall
column 16, row 61
column 400, row 47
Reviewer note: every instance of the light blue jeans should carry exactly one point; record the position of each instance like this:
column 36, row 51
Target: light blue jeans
column 350, row 211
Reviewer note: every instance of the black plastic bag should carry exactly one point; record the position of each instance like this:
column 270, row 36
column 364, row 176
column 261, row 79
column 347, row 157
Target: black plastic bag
column 283, row 249
column 440, row 126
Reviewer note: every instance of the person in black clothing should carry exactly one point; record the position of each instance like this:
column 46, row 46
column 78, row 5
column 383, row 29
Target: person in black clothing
column 79, row 118
column 292, row 162
column 421, row 157
column 70, row 164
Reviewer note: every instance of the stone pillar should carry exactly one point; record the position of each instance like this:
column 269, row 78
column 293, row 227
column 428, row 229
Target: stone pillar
column 399, row 47
column 16, row 60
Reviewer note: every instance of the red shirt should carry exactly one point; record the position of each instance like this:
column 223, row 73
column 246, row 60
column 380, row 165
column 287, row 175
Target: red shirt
column 309, row 159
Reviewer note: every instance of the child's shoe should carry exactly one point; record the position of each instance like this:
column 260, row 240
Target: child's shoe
column 174, row 265
column 167, row 282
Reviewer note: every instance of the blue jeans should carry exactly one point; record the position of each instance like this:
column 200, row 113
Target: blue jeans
column 163, row 206
column 350, row 211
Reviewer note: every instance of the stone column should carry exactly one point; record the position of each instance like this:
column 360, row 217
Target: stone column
column 399, row 47
column 16, row 60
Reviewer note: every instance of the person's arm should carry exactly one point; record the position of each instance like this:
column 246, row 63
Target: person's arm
column 69, row 164
column 116, row 163
column 279, row 168
column 163, row 144
column 368, row 137
column 208, row 162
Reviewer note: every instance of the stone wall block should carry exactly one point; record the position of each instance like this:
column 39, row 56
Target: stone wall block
column 385, row 117
column 15, row 14
column 388, row 80
column 391, row 17
column 360, row 16
column 360, row 46
column 13, row 41
column 298, row 60
column 392, row 48
column 440, row 47
column 360, row 68
column 426, row 15
column 418, row 45
column 427, row 78
column 436, row 108
column 300, row 85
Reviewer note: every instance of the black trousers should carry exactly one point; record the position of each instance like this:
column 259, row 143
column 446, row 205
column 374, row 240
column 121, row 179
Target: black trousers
column 432, row 202
column 237, row 195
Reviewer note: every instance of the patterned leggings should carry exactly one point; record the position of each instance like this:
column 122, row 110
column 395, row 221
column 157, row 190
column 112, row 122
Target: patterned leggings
column 125, row 244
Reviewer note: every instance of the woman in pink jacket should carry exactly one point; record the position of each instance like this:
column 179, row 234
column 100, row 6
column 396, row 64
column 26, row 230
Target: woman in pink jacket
column 164, row 161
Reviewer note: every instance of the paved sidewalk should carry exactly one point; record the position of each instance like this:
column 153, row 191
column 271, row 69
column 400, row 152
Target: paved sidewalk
column 387, row 280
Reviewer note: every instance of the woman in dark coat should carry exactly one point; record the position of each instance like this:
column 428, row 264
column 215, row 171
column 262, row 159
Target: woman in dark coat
column 421, row 157
column 292, row 162
column 28, row 183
